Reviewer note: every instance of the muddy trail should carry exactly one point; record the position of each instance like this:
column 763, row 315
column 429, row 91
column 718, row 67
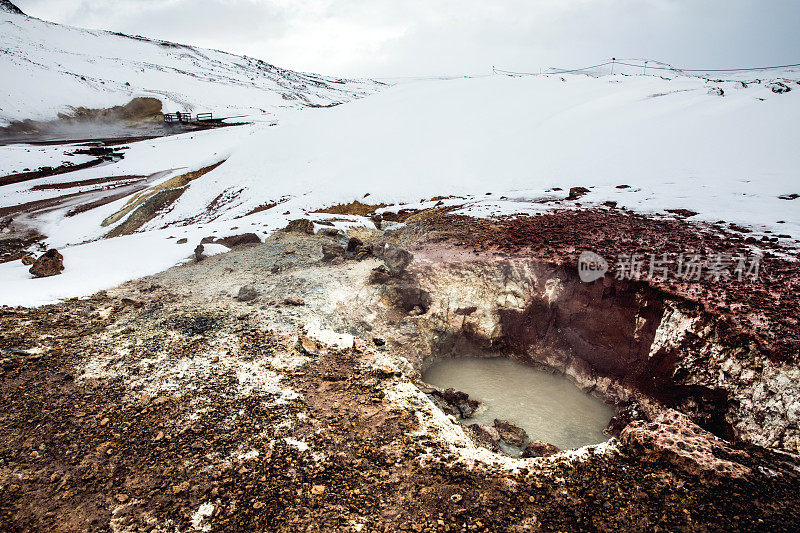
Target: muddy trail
column 279, row 387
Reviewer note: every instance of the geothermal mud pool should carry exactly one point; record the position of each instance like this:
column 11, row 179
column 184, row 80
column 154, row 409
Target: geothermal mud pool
column 547, row 406
column 181, row 402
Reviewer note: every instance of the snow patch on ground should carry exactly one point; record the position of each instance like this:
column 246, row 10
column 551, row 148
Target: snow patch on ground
column 524, row 141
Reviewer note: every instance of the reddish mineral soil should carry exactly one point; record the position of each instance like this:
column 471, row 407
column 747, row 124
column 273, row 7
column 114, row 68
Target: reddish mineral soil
column 126, row 411
column 766, row 308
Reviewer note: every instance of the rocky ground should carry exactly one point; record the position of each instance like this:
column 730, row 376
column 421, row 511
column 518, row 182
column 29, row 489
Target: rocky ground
column 181, row 402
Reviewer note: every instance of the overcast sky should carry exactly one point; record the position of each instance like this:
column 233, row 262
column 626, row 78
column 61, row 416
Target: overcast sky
column 432, row 37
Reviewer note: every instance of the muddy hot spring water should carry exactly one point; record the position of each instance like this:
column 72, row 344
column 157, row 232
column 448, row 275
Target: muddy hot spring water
column 547, row 406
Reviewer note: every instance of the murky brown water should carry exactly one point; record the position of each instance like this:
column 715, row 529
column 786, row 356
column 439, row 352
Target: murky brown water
column 548, row 407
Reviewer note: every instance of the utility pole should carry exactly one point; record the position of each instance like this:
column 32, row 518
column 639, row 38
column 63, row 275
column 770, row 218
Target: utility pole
column 613, row 60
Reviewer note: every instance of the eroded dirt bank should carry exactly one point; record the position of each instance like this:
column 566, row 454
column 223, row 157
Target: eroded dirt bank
column 168, row 403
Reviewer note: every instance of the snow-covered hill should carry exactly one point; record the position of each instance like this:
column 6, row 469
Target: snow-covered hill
column 48, row 67
column 725, row 150
column 676, row 144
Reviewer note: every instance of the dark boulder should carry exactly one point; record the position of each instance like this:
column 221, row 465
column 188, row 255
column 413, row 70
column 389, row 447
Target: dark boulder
column 457, row 402
column 49, row 264
column 486, row 435
column 357, row 250
column 233, row 241
column 510, row 433
column 778, row 87
column 379, row 275
column 576, row 192
column 396, row 259
column 300, row 225
column 247, row 293
column 331, row 251
column 538, row 448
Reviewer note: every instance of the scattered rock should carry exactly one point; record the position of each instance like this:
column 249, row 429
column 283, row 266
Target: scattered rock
column 538, row 448
column 612, row 204
column 182, row 241
column 331, row 251
column 576, row 192
column 378, row 247
column 684, row 213
column 28, row 260
column 49, row 264
column 778, row 87
column 416, row 311
column 181, row 487
column 356, row 249
column 300, row 225
column 307, row 346
column 510, row 433
column 247, row 293
column 379, row 275
column 233, row 240
column 792, row 196
column 465, row 310
column 486, row 435
column 716, row 91
column 396, row 259
column 330, row 232
column 626, row 413
column 456, row 402
column 674, row 437
column 294, row 300
column 378, row 341
column 198, row 253
column 239, row 240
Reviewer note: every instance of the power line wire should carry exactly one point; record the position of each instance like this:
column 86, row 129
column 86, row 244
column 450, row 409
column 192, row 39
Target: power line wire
column 644, row 65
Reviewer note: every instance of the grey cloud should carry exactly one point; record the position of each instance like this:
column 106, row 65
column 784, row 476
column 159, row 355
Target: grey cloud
column 429, row 37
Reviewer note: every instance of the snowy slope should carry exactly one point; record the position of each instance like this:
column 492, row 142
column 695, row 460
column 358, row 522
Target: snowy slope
column 48, row 67
column 676, row 143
